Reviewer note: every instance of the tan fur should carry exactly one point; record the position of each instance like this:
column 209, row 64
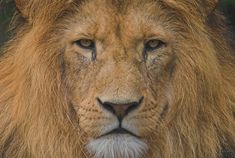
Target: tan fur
column 48, row 91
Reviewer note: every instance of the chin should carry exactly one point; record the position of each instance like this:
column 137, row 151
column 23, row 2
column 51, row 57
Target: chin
column 117, row 146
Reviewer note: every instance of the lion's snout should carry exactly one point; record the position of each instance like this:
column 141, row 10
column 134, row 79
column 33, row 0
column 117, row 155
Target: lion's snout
column 120, row 109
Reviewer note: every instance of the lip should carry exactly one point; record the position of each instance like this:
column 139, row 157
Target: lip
column 119, row 131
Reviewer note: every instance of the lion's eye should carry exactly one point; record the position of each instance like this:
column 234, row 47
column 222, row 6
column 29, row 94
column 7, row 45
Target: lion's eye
column 152, row 45
column 86, row 44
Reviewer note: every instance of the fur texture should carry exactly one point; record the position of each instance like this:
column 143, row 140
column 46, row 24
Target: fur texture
column 49, row 85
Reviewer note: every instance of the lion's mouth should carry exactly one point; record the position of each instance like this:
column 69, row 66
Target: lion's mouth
column 119, row 131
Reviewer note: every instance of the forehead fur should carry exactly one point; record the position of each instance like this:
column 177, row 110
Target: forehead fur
column 48, row 11
column 37, row 8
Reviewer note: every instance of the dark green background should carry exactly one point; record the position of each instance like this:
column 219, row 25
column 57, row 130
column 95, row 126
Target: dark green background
column 7, row 9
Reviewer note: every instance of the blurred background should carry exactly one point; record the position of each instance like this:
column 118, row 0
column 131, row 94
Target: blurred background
column 7, row 9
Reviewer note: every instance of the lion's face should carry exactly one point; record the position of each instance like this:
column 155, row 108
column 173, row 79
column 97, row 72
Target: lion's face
column 117, row 79
column 118, row 65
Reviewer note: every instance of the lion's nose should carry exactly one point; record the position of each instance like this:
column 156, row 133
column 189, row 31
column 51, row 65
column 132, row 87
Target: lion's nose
column 120, row 109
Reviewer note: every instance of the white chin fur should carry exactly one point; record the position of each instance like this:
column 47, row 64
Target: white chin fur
column 117, row 146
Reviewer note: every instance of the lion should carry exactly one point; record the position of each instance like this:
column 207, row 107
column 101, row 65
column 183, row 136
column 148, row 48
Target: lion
column 117, row 79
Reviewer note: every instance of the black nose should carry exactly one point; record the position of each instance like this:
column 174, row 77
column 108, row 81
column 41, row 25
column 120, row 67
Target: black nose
column 120, row 110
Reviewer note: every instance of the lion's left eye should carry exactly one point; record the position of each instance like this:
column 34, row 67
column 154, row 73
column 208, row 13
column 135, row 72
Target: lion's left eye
column 152, row 45
column 86, row 44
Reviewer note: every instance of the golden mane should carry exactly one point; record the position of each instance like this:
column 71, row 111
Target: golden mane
column 34, row 119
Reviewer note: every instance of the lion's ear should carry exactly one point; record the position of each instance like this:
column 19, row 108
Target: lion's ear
column 30, row 9
column 23, row 7
column 209, row 5
column 205, row 7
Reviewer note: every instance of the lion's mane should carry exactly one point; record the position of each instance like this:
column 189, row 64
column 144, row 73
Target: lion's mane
column 34, row 119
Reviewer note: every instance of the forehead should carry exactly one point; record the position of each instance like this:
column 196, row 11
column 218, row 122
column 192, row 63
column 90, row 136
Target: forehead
column 119, row 7
column 130, row 17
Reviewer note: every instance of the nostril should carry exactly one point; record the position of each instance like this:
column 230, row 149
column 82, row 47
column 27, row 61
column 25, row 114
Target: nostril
column 134, row 105
column 120, row 109
column 106, row 106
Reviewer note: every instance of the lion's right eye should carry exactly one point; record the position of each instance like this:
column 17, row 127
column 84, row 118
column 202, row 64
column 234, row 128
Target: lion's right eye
column 86, row 44
column 152, row 45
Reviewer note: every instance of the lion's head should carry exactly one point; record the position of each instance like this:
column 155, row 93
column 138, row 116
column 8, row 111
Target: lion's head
column 117, row 79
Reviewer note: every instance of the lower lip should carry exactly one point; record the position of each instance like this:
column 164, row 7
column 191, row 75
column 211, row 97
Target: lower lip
column 120, row 132
column 117, row 136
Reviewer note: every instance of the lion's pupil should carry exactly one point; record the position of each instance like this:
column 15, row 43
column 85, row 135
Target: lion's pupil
column 86, row 43
column 153, row 45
